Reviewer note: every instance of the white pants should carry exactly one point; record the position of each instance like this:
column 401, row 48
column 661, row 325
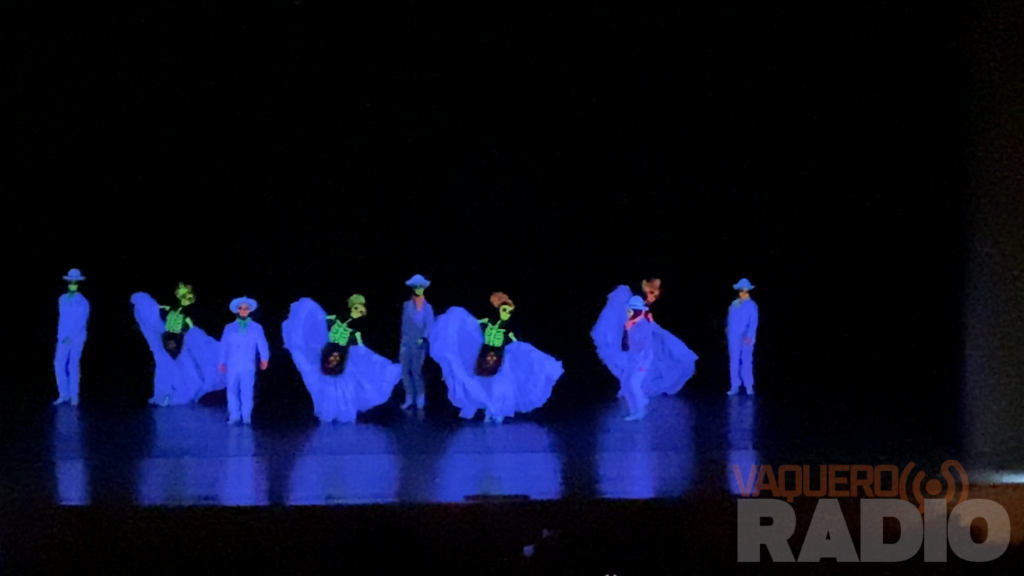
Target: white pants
column 241, row 382
column 65, row 365
column 632, row 387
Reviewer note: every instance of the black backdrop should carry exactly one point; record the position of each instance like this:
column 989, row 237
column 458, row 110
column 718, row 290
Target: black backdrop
column 301, row 150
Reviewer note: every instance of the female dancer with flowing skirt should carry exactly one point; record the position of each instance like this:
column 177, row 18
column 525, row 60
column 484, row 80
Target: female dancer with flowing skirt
column 185, row 355
column 647, row 359
column 343, row 376
column 486, row 367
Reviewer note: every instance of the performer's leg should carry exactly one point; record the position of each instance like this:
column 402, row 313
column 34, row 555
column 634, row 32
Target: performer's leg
column 406, row 357
column 419, row 386
column 635, row 397
column 74, row 371
column 234, row 410
column 60, row 369
column 734, row 368
column 247, row 386
column 747, row 367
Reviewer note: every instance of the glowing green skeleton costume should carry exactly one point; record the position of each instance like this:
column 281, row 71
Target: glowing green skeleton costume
column 176, row 321
column 497, row 334
column 494, row 333
column 342, row 332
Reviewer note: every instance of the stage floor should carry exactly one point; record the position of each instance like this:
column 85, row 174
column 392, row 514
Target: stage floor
column 189, row 455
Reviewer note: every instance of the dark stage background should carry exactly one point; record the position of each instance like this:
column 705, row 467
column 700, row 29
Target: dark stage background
column 303, row 150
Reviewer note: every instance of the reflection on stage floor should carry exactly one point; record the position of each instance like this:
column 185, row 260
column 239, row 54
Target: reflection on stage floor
column 189, row 455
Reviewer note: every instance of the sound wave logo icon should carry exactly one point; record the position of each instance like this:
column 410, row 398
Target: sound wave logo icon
column 933, row 487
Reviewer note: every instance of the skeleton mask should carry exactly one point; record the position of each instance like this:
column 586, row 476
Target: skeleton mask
column 652, row 289
column 357, row 305
column 184, row 294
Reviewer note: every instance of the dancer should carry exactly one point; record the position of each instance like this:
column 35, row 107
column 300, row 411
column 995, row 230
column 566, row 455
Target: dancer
column 741, row 332
column 650, row 292
column 647, row 359
column 492, row 353
column 72, row 322
column 487, row 367
column 242, row 340
column 186, row 357
column 417, row 320
column 343, row 376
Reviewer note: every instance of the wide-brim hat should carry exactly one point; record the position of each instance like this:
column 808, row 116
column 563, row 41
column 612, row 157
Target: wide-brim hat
column 74, row 275
column 417, row 280
column 637, row 303
column 237, row 302
column 743, row 284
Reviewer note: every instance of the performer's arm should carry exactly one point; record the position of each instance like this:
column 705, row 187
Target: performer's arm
column 222, row 355
column 752, row 326
column 359, row 338
column 428, row 324
column 85, row 318
column 261, row 344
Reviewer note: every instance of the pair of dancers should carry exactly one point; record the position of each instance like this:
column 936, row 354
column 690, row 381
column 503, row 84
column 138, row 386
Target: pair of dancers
column 649, row 360
column 191, row 364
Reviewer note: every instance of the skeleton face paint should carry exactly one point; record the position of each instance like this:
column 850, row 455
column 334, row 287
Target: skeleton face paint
column 505, row 312
column 652, row 290
column 358, row 311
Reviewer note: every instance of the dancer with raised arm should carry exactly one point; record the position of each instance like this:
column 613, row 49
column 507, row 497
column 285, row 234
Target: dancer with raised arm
column 647, row 359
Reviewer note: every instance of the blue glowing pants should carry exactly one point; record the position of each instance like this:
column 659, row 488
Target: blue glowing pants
column 632, row 390
column 412, row 356
column 241, row 381
column 741, row 366
column 65, row 364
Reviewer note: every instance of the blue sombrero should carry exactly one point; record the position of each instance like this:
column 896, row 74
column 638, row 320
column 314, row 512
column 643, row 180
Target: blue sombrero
column 743, row 284
column 74, row 275
column 237, row 302
column 637, row 303
column 417, row 280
